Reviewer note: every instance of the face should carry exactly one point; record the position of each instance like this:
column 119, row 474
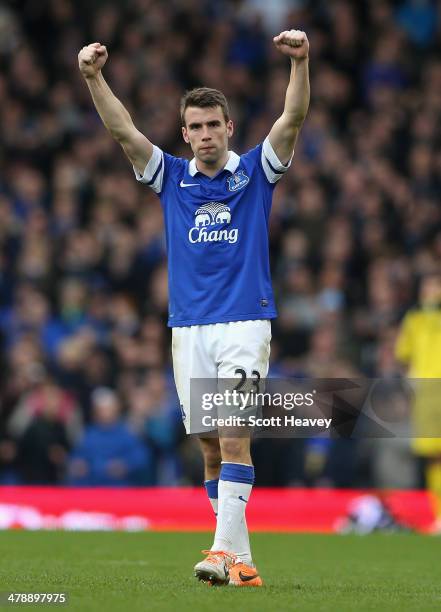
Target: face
column 207, row 132
column 430, row 292
column 106, row 412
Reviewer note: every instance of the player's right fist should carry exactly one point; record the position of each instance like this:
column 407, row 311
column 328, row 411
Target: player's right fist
column 91, row 59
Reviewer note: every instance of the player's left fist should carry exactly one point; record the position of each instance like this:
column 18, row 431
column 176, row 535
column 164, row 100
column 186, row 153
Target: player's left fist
column 293, row 43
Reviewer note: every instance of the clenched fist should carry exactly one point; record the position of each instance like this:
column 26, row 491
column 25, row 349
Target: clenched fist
column 91, row 59
column 293, row 43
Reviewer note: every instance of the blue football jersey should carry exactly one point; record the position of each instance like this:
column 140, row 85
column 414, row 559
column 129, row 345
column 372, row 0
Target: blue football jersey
column 217, row 235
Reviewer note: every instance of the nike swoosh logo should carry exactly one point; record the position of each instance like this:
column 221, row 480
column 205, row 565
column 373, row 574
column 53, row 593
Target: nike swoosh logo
column 247, row 577
column 182, row 184
column 242, row 499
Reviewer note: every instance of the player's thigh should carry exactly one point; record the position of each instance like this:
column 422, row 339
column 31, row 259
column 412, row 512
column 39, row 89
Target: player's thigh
column 191, row 362
column 245, row 351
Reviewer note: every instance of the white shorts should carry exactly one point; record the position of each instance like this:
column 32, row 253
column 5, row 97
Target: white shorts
column 235, row 350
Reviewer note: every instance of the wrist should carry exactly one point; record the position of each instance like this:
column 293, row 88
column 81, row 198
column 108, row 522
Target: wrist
column 92, row 77
column 299, row 60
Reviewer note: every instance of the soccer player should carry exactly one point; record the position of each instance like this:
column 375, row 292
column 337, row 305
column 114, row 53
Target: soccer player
column 216, row 209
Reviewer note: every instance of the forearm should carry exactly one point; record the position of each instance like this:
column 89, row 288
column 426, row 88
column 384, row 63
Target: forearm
column 114, row 115
column 297, row 94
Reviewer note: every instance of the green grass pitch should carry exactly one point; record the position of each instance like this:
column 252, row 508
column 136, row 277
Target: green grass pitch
column 153, row 571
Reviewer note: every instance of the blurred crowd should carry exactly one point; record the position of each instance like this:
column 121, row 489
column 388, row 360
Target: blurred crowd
column 86, row 385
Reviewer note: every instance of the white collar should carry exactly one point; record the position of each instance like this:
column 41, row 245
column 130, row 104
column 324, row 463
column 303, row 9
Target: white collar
column 231, row 165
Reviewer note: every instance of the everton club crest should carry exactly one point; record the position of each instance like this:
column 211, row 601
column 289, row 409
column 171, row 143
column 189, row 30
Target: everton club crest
column 238, row 180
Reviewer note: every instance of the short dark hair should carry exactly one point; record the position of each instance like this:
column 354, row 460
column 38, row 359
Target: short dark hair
column 204, row 97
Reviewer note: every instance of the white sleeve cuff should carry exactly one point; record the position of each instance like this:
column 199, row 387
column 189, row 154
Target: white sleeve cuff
column 154, row 171
column 272, row 166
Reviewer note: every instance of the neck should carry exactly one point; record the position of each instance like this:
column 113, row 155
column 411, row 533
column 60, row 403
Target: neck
column 213, row 168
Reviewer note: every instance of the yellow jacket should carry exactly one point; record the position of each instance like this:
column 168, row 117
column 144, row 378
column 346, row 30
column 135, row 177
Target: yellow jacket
column 419, row 346
column 419, row 343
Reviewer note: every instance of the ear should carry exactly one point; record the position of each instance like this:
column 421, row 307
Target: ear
column 185, row 134
column 230, row 128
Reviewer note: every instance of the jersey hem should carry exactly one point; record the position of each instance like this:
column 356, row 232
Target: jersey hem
column 226, row 319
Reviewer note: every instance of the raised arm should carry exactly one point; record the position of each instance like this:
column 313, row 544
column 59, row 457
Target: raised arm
column 114, row 115
column 283, row 134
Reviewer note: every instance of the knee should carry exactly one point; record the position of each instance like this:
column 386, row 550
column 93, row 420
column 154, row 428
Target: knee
column 235, row 450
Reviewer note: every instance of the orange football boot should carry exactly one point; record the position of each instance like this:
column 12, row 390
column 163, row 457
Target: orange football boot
column 214, row 568
column 243, row 575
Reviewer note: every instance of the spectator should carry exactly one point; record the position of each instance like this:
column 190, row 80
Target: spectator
column 43, row 447
column 108, row 454
column 50, row 403
column 155, row 416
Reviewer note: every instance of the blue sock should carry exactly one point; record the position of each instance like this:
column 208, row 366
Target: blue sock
column 211, row 487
